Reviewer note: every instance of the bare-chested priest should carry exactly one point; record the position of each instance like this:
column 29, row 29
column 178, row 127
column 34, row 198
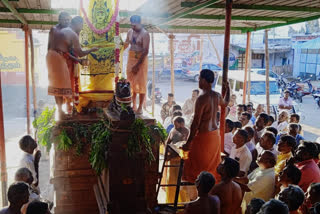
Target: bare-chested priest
column 63, row 40
column 204, row 144
column 137, row 67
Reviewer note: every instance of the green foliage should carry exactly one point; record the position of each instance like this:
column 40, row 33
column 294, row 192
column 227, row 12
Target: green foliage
column 158, row 131
column 65, row 142
column 100, row 141
column 44, row 125
column 143, row 137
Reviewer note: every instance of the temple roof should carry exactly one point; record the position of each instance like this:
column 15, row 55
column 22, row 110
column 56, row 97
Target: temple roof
column 178, row 16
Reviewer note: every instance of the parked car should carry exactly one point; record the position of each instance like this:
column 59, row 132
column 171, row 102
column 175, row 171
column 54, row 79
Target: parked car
column 166, row 74
column 193, row 72
column 262, row 71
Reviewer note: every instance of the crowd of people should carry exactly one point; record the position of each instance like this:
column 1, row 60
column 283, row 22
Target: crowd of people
column 24, row 194
column 267, row 166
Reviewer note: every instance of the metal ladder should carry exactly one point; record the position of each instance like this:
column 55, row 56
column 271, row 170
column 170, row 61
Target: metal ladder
column 173, row 207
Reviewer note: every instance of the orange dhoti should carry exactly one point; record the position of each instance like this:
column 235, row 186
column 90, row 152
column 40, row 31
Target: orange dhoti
column 59, row 75
column 204, row 155
column 138, row 81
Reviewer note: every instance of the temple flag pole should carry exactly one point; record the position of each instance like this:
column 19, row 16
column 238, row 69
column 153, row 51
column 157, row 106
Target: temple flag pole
column 153, row 74
column 35, row 108
column 171, row 37
column 3, row 163
column 201, row 53
column 267, row 70
column 246, row 68
column 225, row 67
column 26, row 52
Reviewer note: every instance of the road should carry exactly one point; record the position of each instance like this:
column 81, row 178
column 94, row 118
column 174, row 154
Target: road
column 308, row 109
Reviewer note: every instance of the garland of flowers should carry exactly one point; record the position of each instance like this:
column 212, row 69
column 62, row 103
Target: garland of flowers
column 106, row 29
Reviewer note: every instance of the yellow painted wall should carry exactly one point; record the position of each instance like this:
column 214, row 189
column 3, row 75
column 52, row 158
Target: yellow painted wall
column 11, row 52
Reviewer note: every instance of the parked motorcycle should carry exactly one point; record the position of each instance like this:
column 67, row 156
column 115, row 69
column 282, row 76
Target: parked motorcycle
column 157, row 93
column 316, row 97
column 282, row 85
column 295, row 91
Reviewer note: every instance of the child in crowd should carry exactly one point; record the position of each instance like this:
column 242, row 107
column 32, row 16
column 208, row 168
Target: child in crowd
column 240, row 151
column 250, row 111
column 294, row 118
column 30, row 158
column 261, row 182
column 270, row 121
column 267, row 142
column 254, row 206
column 228, row 136
column 18, row 195
column 273, row 130
column 252, row 147
column 237, row 125
column 293, row 196
column 227, row 190
column 289, row 175
column 286, row 146
column 294, row 132
column 206, row 203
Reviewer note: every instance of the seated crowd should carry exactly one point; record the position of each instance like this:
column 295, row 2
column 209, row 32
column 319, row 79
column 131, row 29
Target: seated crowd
column 267, row 165
column 24, row 194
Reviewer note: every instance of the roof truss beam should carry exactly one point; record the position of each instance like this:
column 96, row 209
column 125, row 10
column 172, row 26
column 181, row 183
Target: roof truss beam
column 14, row 11
column 257, row 7
column 243, row 29
column 38, row 11
column 213, row 17
column 192, row 9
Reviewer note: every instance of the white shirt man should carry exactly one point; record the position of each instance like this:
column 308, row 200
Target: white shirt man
column 273, row 150
column 228, row 142
column 286, row 101
column 243, row 156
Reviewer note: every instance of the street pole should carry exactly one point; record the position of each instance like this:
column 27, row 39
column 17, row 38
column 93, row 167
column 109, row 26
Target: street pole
column 248, row 49
column 33, row 76
column 3, row 163
column 171, row 37
column 26, row 52
column 267, row 71
column 153, row 74
column 225, row 67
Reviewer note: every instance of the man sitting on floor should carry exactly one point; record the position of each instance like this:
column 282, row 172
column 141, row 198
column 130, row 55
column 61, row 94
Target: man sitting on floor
column 285, row 147
column 310, row 172
column 18, row 195
column 227, row 190
column 228, row 135
column 260, row 183
column 240, row 151
column 293, row 196
column 205, row 204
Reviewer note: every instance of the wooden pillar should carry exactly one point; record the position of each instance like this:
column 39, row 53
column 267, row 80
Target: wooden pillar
column 225, row 66
column 171, row 37
column 246, row 68
column 249, row 75
column 26, row 52
column 267, row 70
column 3, row 164
column 35, row 108
column 153, row 74
column 201, row 53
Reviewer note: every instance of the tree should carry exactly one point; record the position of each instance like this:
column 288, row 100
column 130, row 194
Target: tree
column 312, row 26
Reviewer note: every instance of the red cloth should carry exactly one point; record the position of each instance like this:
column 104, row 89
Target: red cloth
column 310, row 173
